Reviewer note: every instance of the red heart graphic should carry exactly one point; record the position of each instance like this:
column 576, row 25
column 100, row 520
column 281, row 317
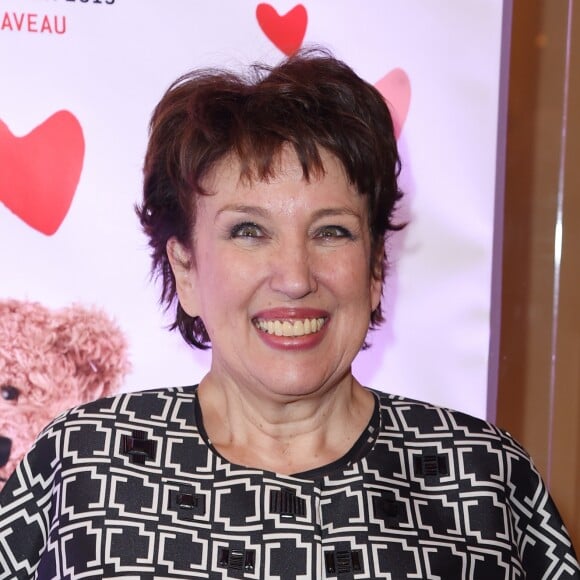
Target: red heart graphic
column 396, row 90
column 287, row 31
column 41, row 171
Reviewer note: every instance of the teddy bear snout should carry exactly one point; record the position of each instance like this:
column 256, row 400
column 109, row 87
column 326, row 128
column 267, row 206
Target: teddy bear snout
column 5, row 447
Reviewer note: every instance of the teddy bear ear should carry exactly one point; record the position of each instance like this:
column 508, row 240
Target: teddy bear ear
column 90, row 338
column 23, row 318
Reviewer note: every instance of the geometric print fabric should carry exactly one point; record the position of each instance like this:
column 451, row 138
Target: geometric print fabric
column 130, row 487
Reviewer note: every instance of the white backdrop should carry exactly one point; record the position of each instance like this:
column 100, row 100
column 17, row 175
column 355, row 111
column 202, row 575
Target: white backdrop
column 107, row 62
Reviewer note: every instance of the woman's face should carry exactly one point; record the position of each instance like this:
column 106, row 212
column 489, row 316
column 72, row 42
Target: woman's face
column 280, row 276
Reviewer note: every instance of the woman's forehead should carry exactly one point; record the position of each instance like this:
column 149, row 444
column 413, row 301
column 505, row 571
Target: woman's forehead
column 283, row 166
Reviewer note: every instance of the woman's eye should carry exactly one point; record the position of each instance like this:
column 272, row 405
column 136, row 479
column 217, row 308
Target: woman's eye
column 246, row 230
column 331, row 232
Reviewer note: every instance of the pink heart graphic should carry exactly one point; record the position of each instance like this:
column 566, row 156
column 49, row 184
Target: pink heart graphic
column 287, row 31
column 396, row 90
column 41, row 170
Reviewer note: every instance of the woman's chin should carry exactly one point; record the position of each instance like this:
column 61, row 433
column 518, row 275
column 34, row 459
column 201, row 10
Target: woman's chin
column 292, row 383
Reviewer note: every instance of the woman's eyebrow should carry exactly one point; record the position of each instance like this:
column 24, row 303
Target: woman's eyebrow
column 264, row 213
column 336, row 211
column 246, row 209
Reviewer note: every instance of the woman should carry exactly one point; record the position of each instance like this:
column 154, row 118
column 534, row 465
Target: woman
column 267, row 200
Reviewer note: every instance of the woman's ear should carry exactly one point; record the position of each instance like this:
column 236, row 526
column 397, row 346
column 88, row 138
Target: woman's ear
column 182, row 265
column 376, row 292
column 377, row 275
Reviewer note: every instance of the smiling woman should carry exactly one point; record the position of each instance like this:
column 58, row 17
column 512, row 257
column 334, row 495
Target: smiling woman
column 267, row 201
column 290, row 250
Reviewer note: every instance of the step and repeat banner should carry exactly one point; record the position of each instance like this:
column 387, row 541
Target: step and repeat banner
column 78, row 82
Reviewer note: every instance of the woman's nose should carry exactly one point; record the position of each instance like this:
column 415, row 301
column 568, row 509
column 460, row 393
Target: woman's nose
column 292, row 273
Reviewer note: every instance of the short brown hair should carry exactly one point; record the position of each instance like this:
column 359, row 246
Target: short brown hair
column 310, row 101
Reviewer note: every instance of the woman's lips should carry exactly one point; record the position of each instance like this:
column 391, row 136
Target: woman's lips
column 291, row 327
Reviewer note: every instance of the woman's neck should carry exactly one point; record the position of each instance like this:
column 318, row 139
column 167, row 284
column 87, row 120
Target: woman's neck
column 284, row 434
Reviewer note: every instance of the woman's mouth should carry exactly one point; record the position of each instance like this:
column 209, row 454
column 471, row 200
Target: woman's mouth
column 290, row 328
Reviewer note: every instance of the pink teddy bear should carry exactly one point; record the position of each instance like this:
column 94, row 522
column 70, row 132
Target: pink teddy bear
column 51, row 360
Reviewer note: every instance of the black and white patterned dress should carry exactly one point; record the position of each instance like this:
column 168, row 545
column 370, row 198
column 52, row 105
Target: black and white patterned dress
column 129, row 487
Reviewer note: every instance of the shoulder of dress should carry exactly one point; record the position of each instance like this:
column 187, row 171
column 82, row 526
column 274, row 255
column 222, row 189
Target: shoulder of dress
column 131, row 402
column 414, row 415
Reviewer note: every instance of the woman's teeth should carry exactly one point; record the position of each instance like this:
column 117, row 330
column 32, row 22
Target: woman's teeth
column 291, row 328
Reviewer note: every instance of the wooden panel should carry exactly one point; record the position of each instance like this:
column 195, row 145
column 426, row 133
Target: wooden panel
column 565, row 464
column 539, row 374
